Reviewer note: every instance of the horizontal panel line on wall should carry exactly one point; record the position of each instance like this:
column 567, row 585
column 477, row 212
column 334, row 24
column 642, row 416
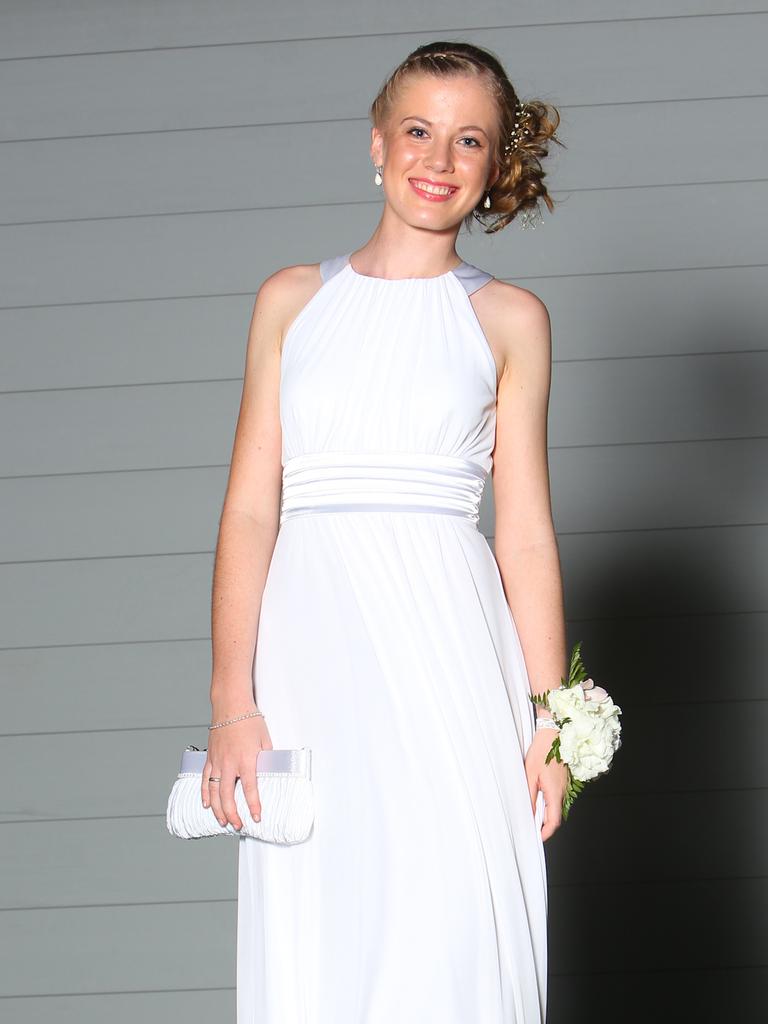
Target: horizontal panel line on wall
column 669, row 882
column 208, row 211
column 86, row 817
column 154, row 903
column 522, row 277
column 341, row 37
column 628, row 529
column 148, row 469
column 649, row 355
column 628, row 618
column 189, row 725
column 489, row 537
column 717, row 969
column 111, row 643
column 144, row 554
column 551, row 447
column 570, row 619
column 619, row 883
column 560, row 533
column 231, row 82
column 612, row 795
column 672, row 791
column 259, row 209
column 640, row 971
column 564, row 107
column 626, row 706
column 115, row 992
column 232, row 380
column 195, row 380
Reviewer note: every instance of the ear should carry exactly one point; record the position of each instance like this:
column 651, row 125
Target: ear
column 495, row 175
column 377, row 146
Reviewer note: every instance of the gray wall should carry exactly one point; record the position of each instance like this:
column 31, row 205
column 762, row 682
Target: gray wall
column 159, row 160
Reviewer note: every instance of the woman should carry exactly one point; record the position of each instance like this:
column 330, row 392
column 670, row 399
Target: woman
column 381, row 386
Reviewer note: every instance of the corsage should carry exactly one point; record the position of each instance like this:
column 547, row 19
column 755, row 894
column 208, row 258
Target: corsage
column 589, row 726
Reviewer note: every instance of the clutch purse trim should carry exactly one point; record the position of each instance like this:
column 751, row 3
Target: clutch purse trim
column 282, row 761
column 285, row 793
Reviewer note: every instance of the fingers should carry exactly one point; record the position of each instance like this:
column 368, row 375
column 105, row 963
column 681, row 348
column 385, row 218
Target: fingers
column 251, row 791
column 220, row 796
column 205, row 789
column 553, row 803
column 226, row 790
column 553, row 813
column 215, row 794
column 553, row 799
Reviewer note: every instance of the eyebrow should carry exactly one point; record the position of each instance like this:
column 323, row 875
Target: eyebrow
column 464, row 128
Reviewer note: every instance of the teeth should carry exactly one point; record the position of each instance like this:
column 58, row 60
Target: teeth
column 438, row 190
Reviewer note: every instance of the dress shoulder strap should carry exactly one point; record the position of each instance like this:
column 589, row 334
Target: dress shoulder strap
column 330, row 266
column 472, row 277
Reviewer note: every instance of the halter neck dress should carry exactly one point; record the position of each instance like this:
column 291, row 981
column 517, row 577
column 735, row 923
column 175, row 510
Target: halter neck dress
column 386, row 645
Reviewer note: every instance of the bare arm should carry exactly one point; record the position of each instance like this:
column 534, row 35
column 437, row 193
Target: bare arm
column 248, row 529
column 250, row 515
column 525, row 544
column 249, row 521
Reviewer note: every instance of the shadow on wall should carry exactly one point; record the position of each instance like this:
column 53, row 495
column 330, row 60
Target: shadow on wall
column 657, row 881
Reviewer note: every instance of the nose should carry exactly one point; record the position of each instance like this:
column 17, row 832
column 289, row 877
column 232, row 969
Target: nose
column 439, row 158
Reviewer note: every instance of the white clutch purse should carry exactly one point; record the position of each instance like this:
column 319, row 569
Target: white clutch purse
column 284, row 779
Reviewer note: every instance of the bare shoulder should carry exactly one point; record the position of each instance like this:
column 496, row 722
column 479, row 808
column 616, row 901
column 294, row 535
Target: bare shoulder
column 516, row 323
column 282, row 296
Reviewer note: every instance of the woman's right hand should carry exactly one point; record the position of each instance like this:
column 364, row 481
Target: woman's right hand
column 232, row 753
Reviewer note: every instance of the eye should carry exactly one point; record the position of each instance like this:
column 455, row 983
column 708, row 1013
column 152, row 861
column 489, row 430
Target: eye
column 474, row 143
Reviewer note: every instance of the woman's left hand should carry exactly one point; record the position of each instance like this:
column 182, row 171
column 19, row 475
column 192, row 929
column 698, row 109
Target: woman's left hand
column 551, row 779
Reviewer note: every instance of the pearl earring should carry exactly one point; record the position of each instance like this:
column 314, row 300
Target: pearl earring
column 487, row 201
column 378, row 179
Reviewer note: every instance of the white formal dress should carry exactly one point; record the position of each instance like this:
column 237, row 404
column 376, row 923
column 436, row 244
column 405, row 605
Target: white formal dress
column 386, row 645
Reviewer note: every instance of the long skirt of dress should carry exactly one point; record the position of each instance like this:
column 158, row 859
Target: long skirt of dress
column 386, row 645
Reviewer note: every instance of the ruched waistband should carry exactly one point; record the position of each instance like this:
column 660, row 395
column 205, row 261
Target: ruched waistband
column 368, row 481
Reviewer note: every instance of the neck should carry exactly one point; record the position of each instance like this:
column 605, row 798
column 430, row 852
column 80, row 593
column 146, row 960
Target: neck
column 396, row 249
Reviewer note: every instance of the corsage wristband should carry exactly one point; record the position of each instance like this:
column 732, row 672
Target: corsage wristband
column 588, row 723
column 546, row 723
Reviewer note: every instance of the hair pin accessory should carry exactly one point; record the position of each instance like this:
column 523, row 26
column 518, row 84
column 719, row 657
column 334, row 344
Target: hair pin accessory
column 522, row 117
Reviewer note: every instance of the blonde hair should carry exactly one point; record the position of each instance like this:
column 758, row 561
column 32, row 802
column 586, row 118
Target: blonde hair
column 520, row 184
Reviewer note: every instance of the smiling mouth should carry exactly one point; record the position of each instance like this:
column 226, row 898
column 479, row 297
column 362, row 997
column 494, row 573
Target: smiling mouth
column 442, row 191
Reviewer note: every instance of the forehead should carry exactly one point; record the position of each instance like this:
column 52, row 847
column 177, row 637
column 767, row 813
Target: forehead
column 445, row 99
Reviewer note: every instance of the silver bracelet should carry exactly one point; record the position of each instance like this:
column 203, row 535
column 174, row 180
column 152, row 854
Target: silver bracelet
column 546, row 723
column 251, row 714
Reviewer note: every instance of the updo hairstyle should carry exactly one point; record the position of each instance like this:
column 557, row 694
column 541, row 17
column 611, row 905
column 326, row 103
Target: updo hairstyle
column 520, row 184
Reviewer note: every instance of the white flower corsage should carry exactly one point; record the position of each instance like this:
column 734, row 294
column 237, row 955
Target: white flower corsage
column 589, row 727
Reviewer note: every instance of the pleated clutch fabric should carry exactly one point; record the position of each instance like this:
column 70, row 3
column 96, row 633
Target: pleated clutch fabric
column 284, row 779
